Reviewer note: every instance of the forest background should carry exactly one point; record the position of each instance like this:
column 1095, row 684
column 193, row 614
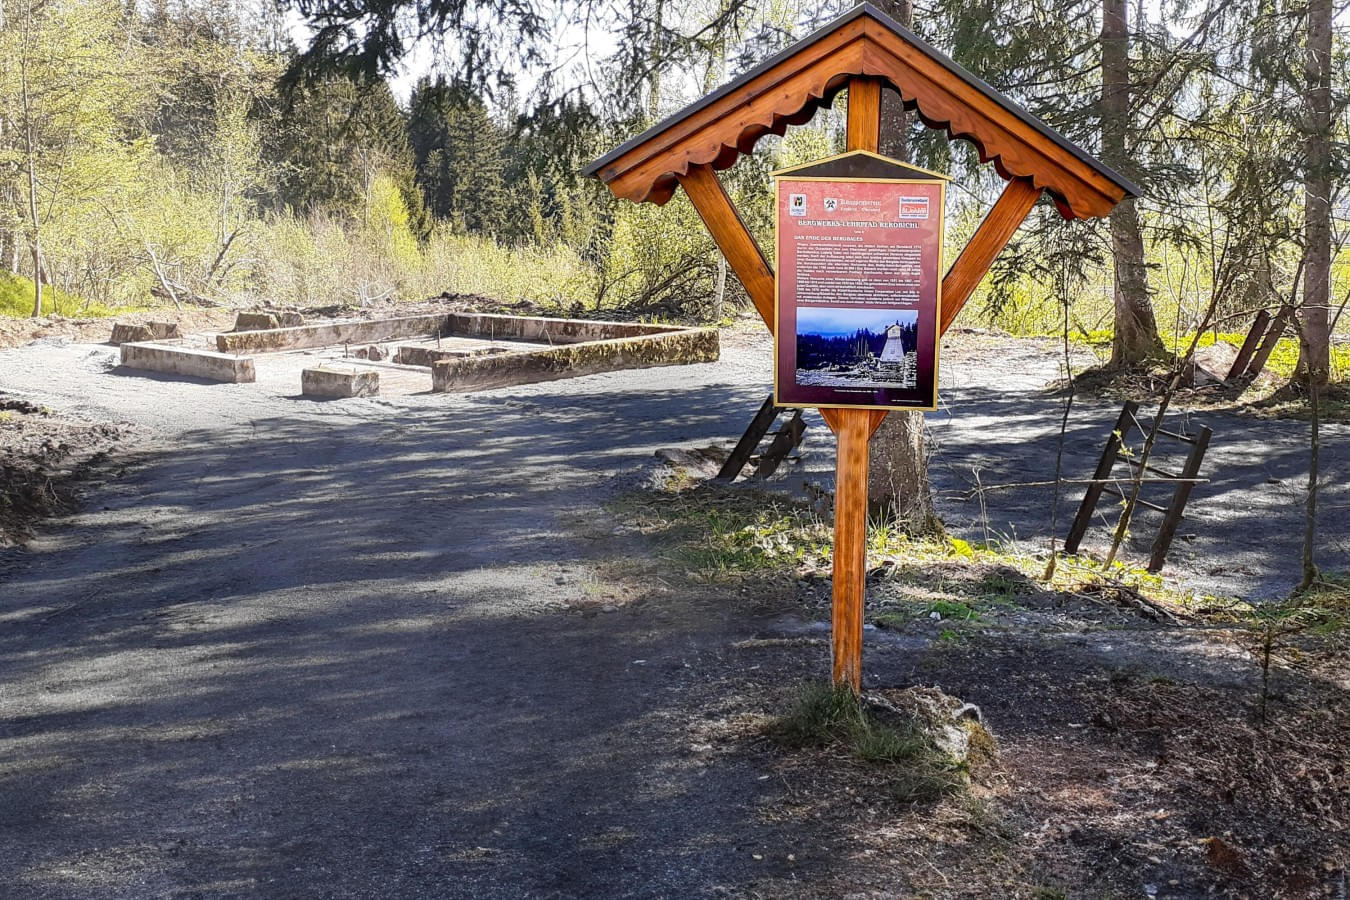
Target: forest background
column 237, row 152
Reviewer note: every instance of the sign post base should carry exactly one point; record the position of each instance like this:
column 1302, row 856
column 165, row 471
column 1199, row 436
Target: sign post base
column 853, row 428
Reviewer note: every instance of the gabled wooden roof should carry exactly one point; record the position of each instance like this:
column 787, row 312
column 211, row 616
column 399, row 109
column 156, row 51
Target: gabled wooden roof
column 860, row 164
column 790, row 87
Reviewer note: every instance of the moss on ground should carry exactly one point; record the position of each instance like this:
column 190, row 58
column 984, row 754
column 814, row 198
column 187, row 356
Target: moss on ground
column 722, row 534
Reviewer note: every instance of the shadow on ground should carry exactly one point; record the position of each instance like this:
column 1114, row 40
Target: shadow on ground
column 367, row 658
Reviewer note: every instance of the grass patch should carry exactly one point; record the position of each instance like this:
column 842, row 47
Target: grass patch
column 16, row 300
column 720, row 534
column 1323, row 609
column 902, row 758
column 1281, row 363
column 954, row 610
column 1290, row 401
column 717, row 534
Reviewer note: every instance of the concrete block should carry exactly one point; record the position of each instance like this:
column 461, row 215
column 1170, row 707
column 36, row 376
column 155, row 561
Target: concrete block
column 255, row 321
column 326, row 381
column 193, row 363
column 542, row 330
column 164, row 331
column 425, row 356
column 480, row 325
column 124, row 333
column 672, row 348
column 412, row 355
column 331, row 334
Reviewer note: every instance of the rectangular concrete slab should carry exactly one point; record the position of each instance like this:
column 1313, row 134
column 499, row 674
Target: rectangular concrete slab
column 124, row 333
column 413, row 355
column 543, row 330
column 185, row 361
column 676, row 348
column 534, row 329
column 330, row 381
column 331, row 334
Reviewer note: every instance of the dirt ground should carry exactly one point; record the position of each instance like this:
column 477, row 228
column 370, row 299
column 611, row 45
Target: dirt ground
column 43, row 459
column 411, row 647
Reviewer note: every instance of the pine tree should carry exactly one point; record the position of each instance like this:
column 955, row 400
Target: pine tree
column 461, row 158
column 335, row 137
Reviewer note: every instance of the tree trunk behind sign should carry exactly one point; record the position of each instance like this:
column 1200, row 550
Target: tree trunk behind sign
column 1136, row 330
column 1314, row 361
column 897, row 482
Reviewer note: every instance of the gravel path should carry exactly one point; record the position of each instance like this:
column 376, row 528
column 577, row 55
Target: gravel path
column 372, row 647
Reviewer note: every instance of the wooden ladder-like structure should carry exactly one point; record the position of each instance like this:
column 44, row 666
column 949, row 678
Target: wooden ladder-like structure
column 785, row 440
column 1102, row 483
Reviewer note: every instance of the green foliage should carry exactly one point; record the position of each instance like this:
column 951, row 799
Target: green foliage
column 71, row 90
column 821, row 714
column 169, row 158
column 335, row 137
column 659, row 258
column 1323, row 608
column 719, row 533
column 552, row 275
column 16, row 299
column 961, row 548
column 323, row 259
column 949, row 609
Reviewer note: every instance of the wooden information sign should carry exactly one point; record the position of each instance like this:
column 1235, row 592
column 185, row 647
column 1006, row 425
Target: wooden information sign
column 859, row 291
column 863, row 51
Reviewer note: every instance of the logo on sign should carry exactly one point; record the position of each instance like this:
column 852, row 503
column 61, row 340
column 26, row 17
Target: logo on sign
column 797, row 204
column 913, row 207
column 831, row 204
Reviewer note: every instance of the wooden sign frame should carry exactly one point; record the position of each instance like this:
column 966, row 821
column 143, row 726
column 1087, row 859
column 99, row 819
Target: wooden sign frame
column 881, row 396
column 863, row 51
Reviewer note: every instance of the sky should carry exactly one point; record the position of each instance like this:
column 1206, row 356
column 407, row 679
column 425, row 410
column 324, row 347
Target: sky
column 834, row 320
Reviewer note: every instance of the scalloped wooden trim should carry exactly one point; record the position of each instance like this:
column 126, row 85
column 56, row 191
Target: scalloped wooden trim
column 719, row 135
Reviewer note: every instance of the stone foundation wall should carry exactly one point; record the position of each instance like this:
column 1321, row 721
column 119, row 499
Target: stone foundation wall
column 675, row 348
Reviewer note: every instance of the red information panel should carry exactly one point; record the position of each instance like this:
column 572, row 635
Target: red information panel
column 859, row 294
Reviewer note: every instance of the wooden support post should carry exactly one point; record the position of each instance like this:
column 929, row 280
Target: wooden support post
column 1104, row 466
column 732, row 237
column 998, row 227
column 1272, row 338
column 850, row 545
column 864, row 114
column 1172, row 518
column 789, row 437
column 853, row 428
column 759, row 426
column 1244, row 356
